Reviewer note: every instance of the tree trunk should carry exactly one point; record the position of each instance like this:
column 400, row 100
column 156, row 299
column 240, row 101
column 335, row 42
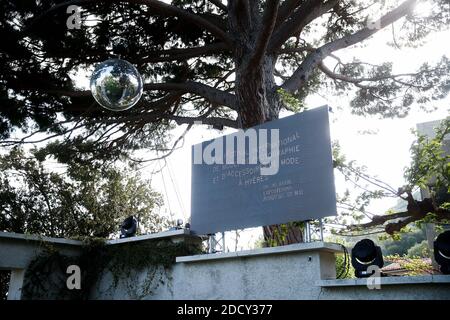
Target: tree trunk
column 281, row 235
column 259, row 102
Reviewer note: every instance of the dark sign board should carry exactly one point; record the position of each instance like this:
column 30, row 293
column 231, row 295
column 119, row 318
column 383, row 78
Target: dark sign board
column 292, row 179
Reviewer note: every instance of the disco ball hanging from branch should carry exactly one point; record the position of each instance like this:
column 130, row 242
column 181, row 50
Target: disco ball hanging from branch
column 115, row 83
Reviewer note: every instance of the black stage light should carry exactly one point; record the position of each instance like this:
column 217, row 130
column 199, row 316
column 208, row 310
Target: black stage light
column 442, row 251
column 365, row 254
column 128, row 227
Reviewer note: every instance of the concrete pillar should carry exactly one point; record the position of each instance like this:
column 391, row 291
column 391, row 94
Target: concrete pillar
column 15, row 284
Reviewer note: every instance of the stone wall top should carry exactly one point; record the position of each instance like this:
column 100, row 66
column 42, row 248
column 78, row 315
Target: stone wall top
column 34, row 237
column 298, row 247
column 436, row 278
column 174, row 234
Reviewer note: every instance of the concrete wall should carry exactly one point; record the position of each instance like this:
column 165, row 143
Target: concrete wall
column 300, row 271
column 436, row 287
column 287, row 272
column 18, row 250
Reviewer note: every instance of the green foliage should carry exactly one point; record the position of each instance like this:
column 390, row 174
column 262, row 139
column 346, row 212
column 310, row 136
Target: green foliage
column 383, row 98
column 399, row 244
column 429, row 171
column 46, row 276
column 127, row 261
column 420, row 250
column 403, row 242
column 291, row 102
column 4, row 283
column 81, row 201
column 415, row 266
column 430, row 167
column 281, row 234
column 41, row 60
column 344, row 268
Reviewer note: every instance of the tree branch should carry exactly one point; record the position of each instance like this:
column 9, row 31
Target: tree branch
column 307, row 12
column 304, row 71
column 184, row 53
column 171, row 10
column 357, row 81
column 262, row 41
column 416, row 210
column 213, row 121
column 52, row 9
column 170, row 151
column 286, row 10
column 211, row 94
column 379, row 220
column 158, row 7
column 239, row 15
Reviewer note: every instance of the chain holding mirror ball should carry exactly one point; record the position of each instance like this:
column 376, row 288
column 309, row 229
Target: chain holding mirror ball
column 115, row 83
